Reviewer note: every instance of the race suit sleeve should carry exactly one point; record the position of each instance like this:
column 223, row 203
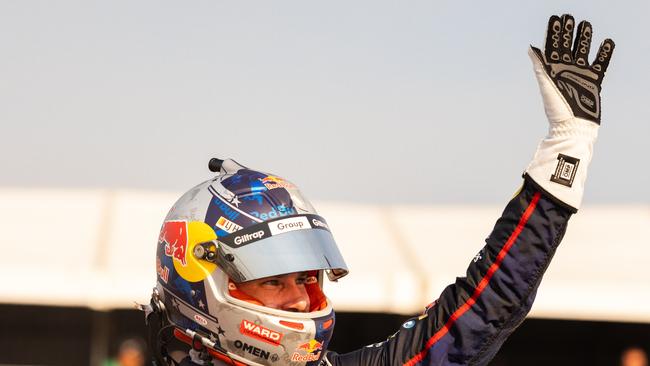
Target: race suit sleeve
column 472, row 318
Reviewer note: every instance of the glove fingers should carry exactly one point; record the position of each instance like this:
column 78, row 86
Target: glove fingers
column 553, row 38
column 602, row 58
column 568, row 25
column 582, row 44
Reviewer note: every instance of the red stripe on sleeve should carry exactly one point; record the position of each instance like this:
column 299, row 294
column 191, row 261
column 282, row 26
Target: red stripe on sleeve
column 482, row 284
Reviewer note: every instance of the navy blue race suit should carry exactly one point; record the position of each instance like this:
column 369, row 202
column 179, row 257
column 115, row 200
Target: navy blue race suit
column 474, row 316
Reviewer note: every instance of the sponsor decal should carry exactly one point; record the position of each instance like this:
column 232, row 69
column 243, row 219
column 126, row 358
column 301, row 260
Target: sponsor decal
column 297, row 357
column 566, row 170
column 289, row 224
column 227, row 225
column 273, row 182
column 163, row 271
column 242, row 239
column 279, row 211
column 306, row 352
column 231, row 213
column 259, row 332
column 174, row 235
column 201, row 320
column 255, row 351
column 318, row 223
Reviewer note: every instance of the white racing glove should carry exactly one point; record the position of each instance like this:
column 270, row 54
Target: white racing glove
column 570, row 89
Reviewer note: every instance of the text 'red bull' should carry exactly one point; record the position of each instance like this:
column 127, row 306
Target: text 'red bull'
column 309, row 347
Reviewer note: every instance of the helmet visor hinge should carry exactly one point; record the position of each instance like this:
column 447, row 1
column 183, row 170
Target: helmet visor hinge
column 206, row 251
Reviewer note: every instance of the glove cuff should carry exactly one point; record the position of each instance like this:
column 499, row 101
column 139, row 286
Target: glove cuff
column 560, row 163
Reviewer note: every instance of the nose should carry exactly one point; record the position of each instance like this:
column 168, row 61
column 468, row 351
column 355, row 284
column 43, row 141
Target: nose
column 295, row 298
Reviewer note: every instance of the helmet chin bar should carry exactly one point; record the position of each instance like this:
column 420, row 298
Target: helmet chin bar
column 167, row 338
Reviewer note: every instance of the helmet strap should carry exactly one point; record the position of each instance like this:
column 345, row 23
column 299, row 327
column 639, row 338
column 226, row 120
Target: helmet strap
column 155, row 316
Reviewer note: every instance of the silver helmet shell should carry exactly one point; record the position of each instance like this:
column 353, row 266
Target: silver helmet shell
column 244, row 225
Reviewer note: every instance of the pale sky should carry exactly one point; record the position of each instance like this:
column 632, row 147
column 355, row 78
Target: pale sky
column 365, row 101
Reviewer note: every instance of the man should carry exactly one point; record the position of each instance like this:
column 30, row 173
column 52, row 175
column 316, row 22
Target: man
column 241, row 258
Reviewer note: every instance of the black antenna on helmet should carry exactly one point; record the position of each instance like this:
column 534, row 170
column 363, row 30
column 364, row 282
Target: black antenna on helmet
column 215, row 165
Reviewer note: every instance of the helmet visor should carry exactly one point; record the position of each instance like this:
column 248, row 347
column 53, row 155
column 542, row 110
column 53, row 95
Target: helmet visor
column 292, row 244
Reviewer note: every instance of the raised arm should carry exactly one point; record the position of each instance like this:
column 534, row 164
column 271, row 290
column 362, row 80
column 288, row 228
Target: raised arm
column 473, row 317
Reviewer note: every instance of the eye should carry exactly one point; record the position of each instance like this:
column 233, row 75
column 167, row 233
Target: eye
column 304, row 280
column 271, row 282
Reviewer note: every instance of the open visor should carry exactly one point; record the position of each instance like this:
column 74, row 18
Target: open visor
column 290, row 244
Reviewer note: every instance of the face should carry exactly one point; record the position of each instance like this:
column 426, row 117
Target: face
column 285, row 292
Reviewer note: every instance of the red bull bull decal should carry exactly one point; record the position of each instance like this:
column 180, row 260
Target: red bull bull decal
column 174, row 235
column 259, row 332
column 306, row 352
column 177, row 240
column 273, row 182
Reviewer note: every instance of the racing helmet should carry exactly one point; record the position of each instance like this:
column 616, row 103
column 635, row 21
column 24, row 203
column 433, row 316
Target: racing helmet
column 239, row 226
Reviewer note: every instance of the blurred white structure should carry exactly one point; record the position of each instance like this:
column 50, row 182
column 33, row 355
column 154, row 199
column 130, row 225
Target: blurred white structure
column 96, row 248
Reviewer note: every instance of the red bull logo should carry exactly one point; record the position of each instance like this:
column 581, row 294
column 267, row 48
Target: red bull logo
column 273, row 182
column 174, row 235
column 177, row 240
column 310, row 348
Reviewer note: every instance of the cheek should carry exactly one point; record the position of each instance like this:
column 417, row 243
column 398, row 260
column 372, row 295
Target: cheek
column 266, row 296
